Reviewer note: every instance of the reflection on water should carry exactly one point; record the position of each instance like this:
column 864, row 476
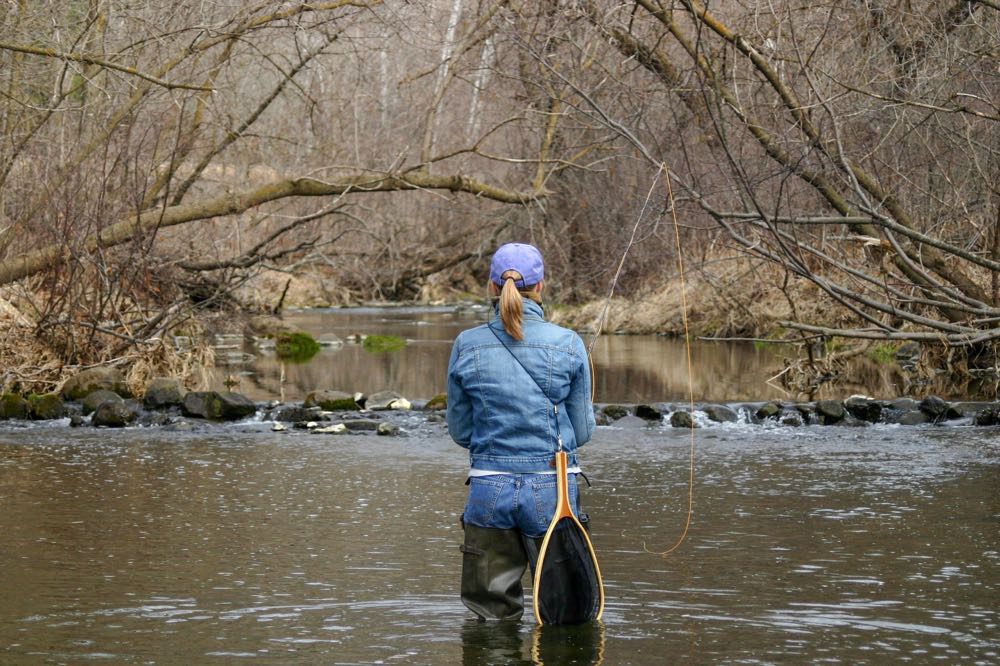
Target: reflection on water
column 630, row 369
column 515, row 644
column 235, row 543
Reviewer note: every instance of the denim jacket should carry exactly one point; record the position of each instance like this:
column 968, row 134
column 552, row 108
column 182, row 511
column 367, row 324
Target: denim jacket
column 497, row 412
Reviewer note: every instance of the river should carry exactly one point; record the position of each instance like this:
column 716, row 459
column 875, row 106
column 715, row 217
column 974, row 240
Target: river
column 236, row 544
column 628, row 368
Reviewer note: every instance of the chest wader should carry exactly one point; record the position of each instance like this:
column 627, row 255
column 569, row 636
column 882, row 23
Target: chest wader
column 493, row 563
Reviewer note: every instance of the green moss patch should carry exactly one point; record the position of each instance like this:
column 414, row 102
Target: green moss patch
column 380, row 344
column 296, row 347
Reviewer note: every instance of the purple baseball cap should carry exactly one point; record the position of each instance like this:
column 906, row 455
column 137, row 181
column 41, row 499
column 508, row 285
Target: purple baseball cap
column 520, row 257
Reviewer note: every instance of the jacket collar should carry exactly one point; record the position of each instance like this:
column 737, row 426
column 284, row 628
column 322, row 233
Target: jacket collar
column 532, row 310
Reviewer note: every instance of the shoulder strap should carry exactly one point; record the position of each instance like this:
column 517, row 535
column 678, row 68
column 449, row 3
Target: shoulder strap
column 555, row 407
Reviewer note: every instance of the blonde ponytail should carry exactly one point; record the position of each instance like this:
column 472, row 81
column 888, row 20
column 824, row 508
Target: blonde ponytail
column 511, row 309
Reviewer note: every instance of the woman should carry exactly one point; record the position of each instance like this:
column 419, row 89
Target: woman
column 516, row 385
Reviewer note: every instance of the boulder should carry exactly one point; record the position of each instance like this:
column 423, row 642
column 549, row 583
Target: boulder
column 768, row 410
column 112, row 414
column 96, row 398
column 361, row 425
column 218, row 406
column 861, row 407
column 384, row 400
column 163, row 392
column 615, row 412
column 988, row 416
column 648, row 412
column 13, row 406
column 437, row 403
column 830, row 411
column 903, row 404
column 87, row 381
column 387, row 429
column 682, row 419
column 332, row 401
column 720, row 413
column 293, row 414
column 938, row 410
column 332, row 429
column 911, row 418
column 791, row 417
column 46, row 406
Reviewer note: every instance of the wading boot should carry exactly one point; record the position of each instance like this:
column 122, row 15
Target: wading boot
column 493, row 563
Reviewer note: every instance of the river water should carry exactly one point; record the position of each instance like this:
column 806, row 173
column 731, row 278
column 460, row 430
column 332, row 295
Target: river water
column 630, row 369
column 236, row 544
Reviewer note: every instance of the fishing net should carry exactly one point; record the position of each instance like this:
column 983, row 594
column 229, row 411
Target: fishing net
column 568, row 581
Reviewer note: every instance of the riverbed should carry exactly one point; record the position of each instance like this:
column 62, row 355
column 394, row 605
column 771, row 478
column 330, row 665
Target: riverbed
column 236, row 544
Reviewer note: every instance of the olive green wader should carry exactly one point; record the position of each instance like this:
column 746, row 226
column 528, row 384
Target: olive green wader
column 493, row 563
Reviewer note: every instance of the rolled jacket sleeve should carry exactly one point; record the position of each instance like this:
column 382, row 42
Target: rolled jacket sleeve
column 459, row 412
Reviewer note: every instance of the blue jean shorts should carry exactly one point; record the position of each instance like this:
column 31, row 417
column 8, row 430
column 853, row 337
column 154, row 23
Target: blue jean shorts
column 516, row 501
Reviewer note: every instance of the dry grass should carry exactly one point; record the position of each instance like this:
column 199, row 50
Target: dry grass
column 30, row 364
column 739, row 297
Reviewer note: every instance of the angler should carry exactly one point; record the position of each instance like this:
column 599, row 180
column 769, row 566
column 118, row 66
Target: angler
column 519, row 392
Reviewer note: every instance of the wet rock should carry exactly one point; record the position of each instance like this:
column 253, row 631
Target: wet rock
column 435, row 418
column 83, row 383
column 912, row 418
column 938, row 410
column 111, row 414
column 333, row 401
column 681, row 419
column 768, row 410
column 989, row 416
column 46, row 406
column 163, row 392
column 13, row 406
column 791, row 417
column 720, row 414
column 387, row 429
column 330, row 340
column 96, row 398
column 384, row 400
column 648, row 412
column 437, row 403
column 75, row 421
column 332, row 429
column 362, row 425
column 150, row 419
column 863, row 408
column 903, row 404
column 830, row 411
column 292, row 414
column 615, row 412
column 218, row 406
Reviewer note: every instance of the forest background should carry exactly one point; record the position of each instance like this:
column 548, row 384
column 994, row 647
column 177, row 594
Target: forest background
column 821, row 173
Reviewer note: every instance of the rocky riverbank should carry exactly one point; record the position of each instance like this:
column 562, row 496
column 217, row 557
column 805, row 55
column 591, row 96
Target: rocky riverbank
column 99, row 397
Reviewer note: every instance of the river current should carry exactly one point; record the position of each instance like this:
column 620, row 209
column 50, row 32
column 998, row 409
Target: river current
column 236, row 544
